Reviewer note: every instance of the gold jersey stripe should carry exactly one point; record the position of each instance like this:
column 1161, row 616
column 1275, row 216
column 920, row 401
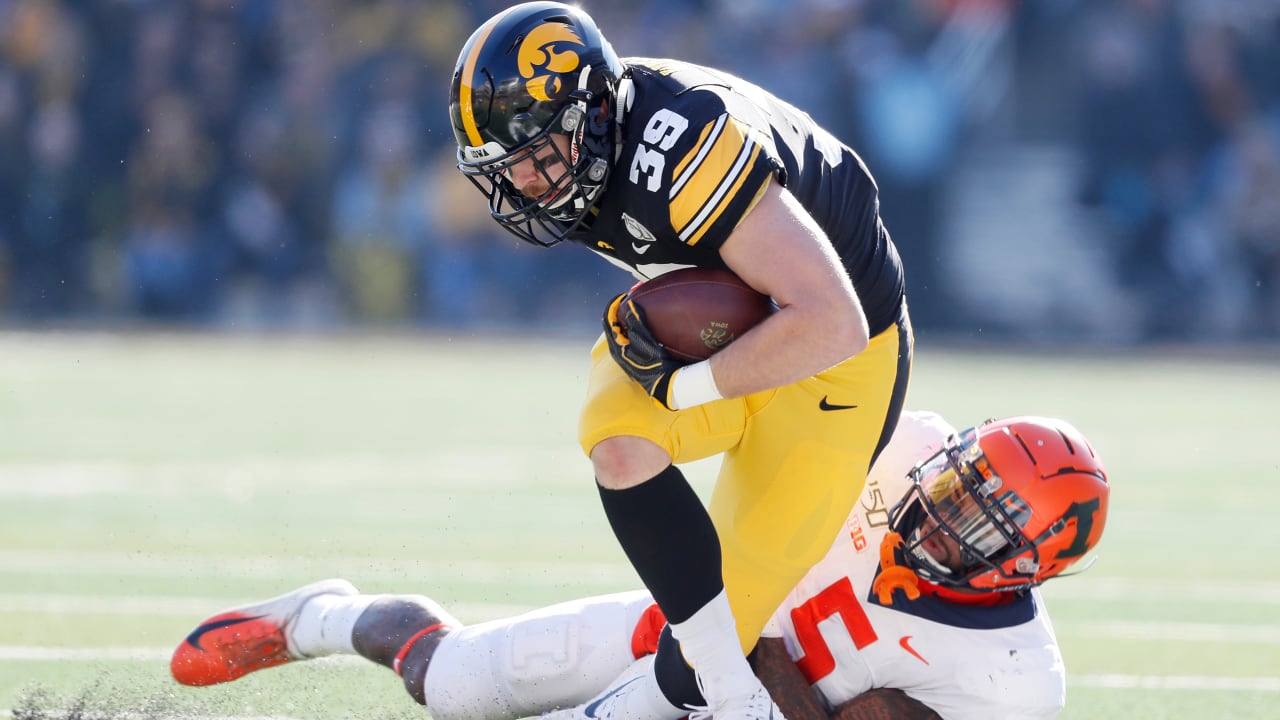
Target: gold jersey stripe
column 707, row 171
column 694, row 158
column 718, row 169
column 468, row 77
column 729, row 196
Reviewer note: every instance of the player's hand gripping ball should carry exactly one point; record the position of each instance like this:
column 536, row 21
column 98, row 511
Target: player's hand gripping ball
column 634, row 348
column 679, row 318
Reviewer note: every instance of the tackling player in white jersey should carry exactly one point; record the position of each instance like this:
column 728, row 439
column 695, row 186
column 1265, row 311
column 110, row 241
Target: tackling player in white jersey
column 924, row 607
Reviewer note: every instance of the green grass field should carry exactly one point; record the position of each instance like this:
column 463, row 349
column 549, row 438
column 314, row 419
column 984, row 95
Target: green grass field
column 146, row 482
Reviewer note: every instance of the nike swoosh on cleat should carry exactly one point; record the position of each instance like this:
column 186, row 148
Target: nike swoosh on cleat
column 824, row 405
column 194, row 638
column 590, row 709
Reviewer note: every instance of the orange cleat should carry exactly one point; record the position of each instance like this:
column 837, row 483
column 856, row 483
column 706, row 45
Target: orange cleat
column 236, row 642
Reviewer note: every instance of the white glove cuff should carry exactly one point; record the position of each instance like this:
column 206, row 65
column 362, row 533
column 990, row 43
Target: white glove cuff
column 694, row 385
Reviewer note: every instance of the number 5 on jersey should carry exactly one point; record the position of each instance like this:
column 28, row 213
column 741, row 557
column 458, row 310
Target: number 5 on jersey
column 836, row 599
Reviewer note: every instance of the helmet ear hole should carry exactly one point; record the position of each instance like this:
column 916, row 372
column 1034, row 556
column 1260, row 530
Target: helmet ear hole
column 598, row 169
column 572, row 118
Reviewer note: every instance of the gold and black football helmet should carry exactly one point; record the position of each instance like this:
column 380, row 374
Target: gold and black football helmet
column 529, row 73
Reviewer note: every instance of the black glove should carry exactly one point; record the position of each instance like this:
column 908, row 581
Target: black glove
column 637, row 351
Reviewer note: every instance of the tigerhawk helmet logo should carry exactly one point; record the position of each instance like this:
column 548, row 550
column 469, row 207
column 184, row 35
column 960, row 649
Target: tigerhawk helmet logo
column 538, row 53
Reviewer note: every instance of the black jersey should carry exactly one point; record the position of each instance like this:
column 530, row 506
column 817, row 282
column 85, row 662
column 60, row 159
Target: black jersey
column 698, row 147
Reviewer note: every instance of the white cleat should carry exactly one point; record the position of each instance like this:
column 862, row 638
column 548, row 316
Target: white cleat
column 756, row 706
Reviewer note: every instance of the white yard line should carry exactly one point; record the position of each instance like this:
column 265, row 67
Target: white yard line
column 1218, row 592
column 241, row 478
column 417, row 573
column 123, row 715
column 1177, row 682
column 32, row 653
column 1174, row 631
column 196, row 608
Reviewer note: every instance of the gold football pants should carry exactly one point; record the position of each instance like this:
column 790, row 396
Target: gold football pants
column 795, row 459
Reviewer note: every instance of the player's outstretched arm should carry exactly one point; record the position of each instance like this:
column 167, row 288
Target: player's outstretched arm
column 884, row 704
column 781, row 677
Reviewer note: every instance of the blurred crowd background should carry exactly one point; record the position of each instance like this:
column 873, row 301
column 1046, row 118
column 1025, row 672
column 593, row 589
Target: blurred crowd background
column 1084, row 170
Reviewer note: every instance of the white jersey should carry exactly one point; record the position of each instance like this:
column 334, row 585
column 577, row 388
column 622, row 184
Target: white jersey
column 963, row 661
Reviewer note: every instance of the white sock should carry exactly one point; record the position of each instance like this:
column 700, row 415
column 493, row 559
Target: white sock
column 325, row 622
column 709, row 641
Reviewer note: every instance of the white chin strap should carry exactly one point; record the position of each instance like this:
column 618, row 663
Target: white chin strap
column 564, row 199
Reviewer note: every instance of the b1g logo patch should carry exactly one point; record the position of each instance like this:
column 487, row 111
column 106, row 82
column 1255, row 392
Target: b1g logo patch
column 543, row 58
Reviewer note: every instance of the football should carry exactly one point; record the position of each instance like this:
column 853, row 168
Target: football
column 695, row 312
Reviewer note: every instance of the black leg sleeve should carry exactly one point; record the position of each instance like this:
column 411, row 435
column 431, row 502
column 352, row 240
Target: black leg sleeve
column 670, row 540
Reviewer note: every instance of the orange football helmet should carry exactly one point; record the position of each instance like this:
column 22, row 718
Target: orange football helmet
column 1023, row 499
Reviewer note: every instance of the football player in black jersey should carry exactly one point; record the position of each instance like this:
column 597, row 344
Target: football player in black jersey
column 657, row 165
